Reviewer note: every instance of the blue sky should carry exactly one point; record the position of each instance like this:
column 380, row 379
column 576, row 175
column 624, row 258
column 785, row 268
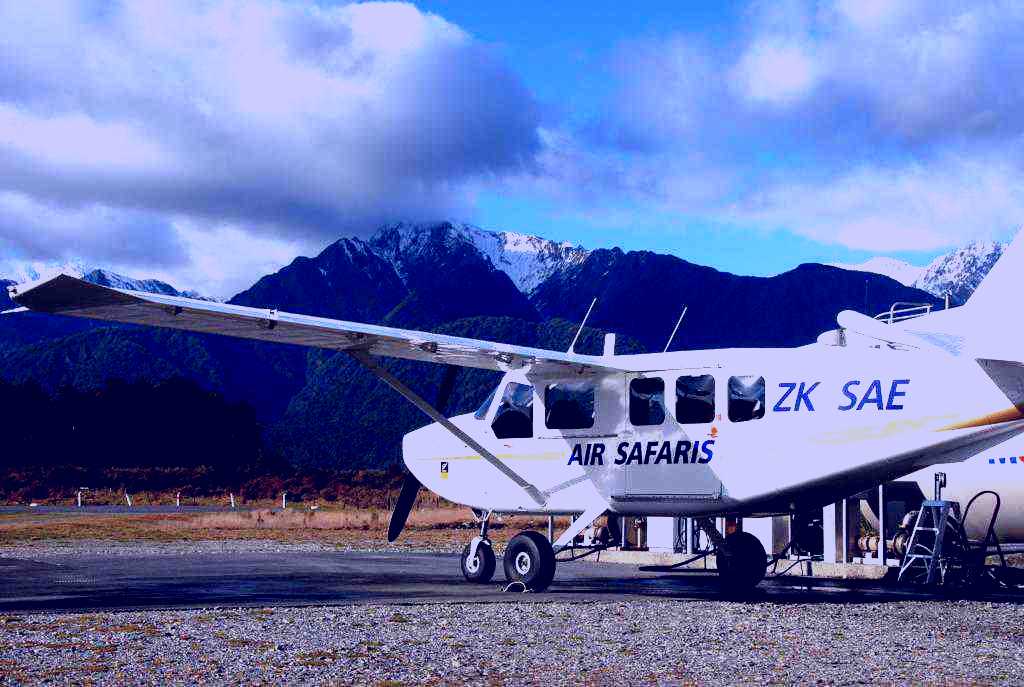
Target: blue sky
column 209, row 142
column 563, row 52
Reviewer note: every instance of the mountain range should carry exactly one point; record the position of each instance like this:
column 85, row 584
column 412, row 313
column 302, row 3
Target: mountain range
column 956, row 273
column 21, row 272
column 319, row 409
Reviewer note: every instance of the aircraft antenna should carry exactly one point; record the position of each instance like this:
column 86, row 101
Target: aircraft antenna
column 673, row 334
column 579, row 331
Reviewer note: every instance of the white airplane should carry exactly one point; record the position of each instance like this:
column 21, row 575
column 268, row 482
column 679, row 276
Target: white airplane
column 737, row 432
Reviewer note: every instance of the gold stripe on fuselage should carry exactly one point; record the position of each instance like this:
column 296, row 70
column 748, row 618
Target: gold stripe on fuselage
column 1008, row 415
column 501, row 456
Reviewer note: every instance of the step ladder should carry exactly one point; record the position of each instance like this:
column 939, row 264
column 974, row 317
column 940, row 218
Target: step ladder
column 925, row 562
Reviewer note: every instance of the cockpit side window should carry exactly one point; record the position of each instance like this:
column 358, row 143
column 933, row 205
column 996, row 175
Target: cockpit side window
column 695, row 400
column 746, row 398
column 514, row 417
column 481, row 412
column 646, row 401
column 569, row 405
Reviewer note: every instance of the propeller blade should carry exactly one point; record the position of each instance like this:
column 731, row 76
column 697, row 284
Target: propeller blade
column 407, row 497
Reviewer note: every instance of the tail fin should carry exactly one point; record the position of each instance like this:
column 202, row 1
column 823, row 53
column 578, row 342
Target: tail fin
column 999, row 290
column 1008, row 376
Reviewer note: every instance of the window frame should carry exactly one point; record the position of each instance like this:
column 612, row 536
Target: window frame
column 764, row 398
column 629, row 401
column 595, row 392
column 483, row 411
column 714, row 398
column 492, row 415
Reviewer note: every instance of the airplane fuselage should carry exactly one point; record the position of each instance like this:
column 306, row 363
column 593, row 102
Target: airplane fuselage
column 745, row 432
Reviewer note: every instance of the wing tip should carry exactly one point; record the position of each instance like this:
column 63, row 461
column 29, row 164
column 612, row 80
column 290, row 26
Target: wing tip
column 63, row 293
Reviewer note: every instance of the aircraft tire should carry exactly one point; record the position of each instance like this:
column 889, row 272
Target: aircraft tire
column 481, row 569
column 529, row 559
column 741, row 562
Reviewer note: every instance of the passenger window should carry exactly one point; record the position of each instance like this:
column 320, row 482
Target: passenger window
column 695, row 400
column 646, row 401
column 569, row 405
column 746, row 398
column 514, row 417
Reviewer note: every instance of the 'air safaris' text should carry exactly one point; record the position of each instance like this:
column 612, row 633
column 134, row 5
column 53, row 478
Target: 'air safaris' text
column 646, row 453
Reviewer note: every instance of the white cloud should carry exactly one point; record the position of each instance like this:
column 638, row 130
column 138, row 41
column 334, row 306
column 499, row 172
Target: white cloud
column 912, row 207
column 776, row 71
column 895, row 125
column 295, row 122
column 225, row 260
column 78, row 141
column 35, row 230
column 909, row 73
column 871, row 15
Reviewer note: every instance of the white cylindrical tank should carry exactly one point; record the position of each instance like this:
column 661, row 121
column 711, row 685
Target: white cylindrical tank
column 999, row 469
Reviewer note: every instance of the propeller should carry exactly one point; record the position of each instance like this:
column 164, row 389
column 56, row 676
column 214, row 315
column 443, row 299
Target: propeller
column 407, row 497
column 411, row 485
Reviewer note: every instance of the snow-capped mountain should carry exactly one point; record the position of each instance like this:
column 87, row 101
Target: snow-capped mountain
column 22, row 272
column 527, row 260
column 960, row 272
column 900, row 270
column 34, row 270
column 956, row 273
column 118, row 281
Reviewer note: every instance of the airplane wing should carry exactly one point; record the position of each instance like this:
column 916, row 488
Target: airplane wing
column 897, row 336
column 65, row 295
column 835, row 486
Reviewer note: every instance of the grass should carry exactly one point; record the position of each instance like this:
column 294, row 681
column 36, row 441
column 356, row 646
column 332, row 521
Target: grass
column 428, row 526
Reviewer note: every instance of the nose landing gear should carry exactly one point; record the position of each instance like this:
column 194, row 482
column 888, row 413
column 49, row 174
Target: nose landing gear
column 480, row 567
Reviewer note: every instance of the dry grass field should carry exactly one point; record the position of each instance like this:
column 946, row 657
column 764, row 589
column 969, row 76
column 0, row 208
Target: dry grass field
column 427, row 527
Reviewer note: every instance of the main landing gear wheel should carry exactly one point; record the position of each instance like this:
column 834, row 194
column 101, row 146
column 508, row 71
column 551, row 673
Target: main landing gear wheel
column 529, row 559
column 741, row 561
column 480, row 568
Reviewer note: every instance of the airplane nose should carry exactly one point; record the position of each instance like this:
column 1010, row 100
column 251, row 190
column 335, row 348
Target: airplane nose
column 416, row 446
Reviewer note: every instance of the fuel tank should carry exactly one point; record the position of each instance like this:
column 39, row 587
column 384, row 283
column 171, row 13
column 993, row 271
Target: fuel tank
column 999, row 469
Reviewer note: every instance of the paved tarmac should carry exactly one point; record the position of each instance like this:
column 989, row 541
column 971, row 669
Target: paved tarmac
column 96, row 583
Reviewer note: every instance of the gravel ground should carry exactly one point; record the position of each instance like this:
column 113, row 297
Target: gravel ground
column 648, row 642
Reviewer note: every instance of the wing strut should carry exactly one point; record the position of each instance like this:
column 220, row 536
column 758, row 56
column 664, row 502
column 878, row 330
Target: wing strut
column 366, row 361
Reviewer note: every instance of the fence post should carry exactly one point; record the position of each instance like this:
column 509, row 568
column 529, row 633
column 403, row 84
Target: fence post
column 177, row 500
column 232, row 500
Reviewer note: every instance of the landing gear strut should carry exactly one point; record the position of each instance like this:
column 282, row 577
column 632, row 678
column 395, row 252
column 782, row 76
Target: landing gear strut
column 478, row 561
column 740, row 557
column 529, row 558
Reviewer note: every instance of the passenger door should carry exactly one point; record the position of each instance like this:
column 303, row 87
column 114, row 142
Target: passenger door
column 669, row 437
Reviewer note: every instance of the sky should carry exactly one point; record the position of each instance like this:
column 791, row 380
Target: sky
column 209, row 142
